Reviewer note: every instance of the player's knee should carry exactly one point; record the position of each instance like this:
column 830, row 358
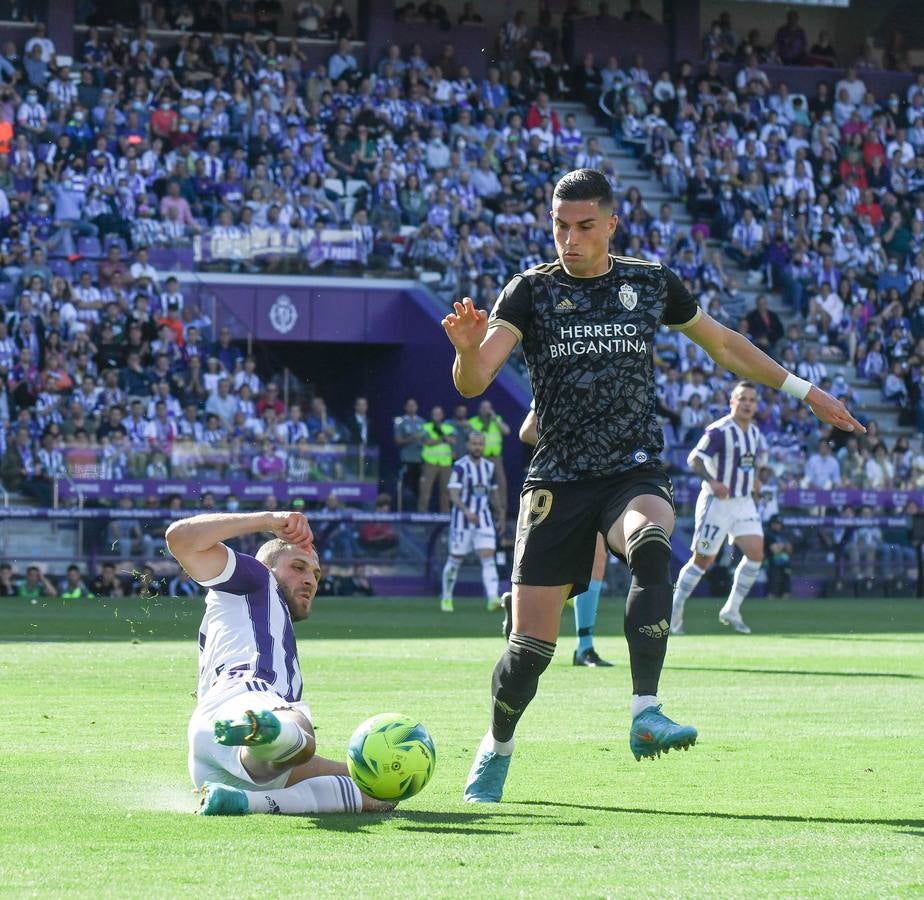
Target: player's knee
column 703, row 562
column 304, row 723
column 648, row 551
column 755, row 556
column 516, row 675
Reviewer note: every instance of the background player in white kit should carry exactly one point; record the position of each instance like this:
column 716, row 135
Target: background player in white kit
column 475, row 500
column 251, row 742
column 727, row 458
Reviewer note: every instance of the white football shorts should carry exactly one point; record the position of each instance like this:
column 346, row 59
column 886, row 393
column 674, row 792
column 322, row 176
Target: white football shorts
column 717, row 519
column 463, row 541
column 209, row 761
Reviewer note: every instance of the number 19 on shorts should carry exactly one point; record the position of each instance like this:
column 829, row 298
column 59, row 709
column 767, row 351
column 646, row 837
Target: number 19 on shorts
column 540, row 505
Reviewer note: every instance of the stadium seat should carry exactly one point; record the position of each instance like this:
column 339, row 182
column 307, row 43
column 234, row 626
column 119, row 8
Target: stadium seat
column 117, row 240
column 354, row 186
column 89, row 247
column 61, row 267
column 7, row 292
column 86, row 265
column 334, row 186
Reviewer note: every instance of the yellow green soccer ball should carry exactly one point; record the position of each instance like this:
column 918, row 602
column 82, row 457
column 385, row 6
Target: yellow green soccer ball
column 391, row 757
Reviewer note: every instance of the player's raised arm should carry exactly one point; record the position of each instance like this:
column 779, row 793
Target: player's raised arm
column 480, row 354
column 196, row 542
column 735, row 352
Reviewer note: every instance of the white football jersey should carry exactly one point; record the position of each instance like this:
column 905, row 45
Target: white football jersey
column 731, row 455
column 247, row 628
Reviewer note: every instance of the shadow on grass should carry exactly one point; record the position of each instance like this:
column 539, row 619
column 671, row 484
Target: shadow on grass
column 749, row 671
column 737, row 817
column 473, row 823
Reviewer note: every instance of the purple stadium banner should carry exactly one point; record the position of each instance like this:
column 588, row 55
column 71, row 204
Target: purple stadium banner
column 355, row 515
column 351, row 492
column 798, row 498
column 309, row 313
column 321, row 515
column 366, row 492
column 853, row 497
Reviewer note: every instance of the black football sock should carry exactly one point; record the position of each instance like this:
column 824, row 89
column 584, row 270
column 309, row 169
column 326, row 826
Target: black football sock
column 515, row 681
column 648, row 606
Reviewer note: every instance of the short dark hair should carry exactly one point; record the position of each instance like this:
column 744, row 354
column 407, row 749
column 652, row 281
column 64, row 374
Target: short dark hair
column 584, row 184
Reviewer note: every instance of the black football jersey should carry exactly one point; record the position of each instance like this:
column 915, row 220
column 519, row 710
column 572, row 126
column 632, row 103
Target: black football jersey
column 588, row 348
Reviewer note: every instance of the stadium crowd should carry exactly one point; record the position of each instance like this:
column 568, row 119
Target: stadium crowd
column 144, row 143
column 819, row 198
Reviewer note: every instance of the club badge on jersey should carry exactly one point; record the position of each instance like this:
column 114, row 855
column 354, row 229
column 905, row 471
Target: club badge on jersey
column 627, row 296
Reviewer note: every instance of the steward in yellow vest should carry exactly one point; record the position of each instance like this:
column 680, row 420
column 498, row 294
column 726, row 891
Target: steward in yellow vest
column 436, row 454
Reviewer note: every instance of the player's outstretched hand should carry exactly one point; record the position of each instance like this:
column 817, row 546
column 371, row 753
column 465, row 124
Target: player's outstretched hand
column 293, row 528
column 467, row 326
column 831, row 410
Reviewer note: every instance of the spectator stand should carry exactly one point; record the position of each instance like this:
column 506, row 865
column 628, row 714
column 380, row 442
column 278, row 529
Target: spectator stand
column 185, row 157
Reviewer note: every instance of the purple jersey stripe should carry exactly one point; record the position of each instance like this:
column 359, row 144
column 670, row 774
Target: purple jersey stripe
column 248, row 575
column 735, row 456
column 293, row 690
column 258, row 608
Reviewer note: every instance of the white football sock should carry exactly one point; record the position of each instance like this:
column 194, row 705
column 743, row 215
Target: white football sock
column 490, row 745
column 687, row 580
column 290, row 742
column 745, row 575
column 489, row 577
column 641, row 702
column 450, row 574
column 324, row 794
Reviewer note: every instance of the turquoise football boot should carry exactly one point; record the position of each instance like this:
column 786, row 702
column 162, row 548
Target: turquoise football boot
column 653, row 733
column 221, row 800
column 486, row 778
column 253, row 729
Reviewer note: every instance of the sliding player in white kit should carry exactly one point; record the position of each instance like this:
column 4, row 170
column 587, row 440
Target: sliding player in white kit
column 727, row 458
column 251, row 742
column 473, row 494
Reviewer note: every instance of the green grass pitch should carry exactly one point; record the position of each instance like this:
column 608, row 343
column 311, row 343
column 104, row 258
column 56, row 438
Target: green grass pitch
column 808, row 779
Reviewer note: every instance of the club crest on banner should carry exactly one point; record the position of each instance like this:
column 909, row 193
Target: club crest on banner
column 282, row 314
column 627, row 297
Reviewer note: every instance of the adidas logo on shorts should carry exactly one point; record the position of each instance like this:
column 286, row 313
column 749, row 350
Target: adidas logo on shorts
column 658, row 630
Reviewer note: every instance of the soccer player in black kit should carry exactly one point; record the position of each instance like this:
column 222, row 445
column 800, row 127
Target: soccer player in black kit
column 587, row 323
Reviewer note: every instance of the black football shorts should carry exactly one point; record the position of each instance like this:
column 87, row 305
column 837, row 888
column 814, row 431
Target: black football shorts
column 558, row 523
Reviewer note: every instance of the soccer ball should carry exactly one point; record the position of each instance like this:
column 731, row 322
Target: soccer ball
column 391, row 757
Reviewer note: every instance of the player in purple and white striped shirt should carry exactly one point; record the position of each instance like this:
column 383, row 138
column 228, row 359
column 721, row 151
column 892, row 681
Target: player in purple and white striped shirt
column 251, row 742
column 474, row 496
column 727, row 458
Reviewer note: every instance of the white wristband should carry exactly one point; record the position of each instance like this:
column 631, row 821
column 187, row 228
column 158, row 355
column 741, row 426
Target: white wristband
column 795, row 386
